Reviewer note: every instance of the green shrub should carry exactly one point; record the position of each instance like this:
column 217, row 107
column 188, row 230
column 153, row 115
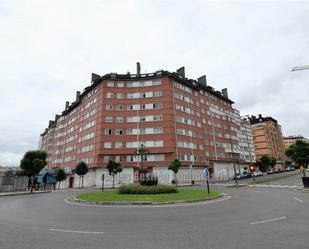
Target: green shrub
column 145, row 190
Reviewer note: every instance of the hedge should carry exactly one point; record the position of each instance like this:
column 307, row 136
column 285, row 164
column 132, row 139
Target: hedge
column 145, row 190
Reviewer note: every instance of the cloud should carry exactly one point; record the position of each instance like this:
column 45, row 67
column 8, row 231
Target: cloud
column 49, row 50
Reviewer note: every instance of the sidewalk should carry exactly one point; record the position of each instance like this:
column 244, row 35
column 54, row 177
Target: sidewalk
column 2, row 194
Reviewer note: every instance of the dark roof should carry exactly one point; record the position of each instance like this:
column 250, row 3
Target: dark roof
column 260, row 119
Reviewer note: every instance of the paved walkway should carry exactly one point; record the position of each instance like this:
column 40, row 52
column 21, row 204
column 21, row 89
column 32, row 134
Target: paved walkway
column 22, row 193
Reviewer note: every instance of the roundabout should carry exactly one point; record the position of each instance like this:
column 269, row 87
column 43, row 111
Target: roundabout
column 113, row 197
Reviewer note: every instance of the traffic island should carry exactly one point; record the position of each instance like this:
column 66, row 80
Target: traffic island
column 113, row 197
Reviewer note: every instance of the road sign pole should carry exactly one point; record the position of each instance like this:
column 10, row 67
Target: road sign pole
column 206, row 175
column 102, row 182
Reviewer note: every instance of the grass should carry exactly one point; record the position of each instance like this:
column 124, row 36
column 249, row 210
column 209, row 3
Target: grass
column 182, row 195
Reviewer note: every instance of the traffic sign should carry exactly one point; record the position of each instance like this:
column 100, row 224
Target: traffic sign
column 206, row 173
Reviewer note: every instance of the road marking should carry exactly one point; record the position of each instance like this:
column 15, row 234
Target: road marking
column 224, row 198
column 273, row 186
column 284, row 186
column 299, row 200
column 73, row 231
column 270, row 220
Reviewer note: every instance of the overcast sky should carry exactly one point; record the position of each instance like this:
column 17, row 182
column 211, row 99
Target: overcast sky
column 48, row 50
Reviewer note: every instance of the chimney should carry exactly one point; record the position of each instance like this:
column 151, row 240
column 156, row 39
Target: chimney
column 202, row 80
column 181, row 71
column 57, row 117
column 138, row 69
column 50, row 123
column 67, row 104
column 94, row 77
column 224, row 92
column 77, row 96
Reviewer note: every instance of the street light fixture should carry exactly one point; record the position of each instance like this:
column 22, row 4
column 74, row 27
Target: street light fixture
column 300, row 68
column 230, row 135
column 142, row 152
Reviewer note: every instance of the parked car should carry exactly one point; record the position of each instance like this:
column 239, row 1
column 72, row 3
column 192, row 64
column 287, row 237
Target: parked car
column 269, row 172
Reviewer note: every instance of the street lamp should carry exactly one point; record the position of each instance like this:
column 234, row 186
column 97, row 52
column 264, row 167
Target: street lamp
column 230, row 135
column 141, row 151
column 300, row 68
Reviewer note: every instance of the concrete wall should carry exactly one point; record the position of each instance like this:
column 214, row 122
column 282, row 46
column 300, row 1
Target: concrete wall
column 223, row 171
column 166, row 176
column 125, row 177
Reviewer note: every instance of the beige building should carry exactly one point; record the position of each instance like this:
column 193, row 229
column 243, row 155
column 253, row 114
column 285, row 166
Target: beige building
column 292, row 139
column 267, row 137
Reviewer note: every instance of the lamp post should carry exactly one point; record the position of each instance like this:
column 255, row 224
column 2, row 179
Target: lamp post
column 231, row 143
column 141, row 151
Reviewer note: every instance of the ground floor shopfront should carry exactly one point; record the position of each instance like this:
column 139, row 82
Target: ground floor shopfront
column 219, row 171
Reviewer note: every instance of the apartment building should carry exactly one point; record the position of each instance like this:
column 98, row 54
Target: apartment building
column 267, row 137
column 168, row 114
column 245, row 140
column 289, row 140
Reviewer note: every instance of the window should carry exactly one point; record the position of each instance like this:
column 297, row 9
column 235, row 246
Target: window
column 108, row 119
column 119, row 107
column 120, row 84
column 157, row 94
column 109, row 95
column 157, row 118
column 107, row 145
column 106, row 158
column 117, row 159
column 119, row 119
column 118, row 145
column 157, row 130
column 110, row 84
column 108, row 131
column 157, row 106
column 119, row 96
column 118, row 131
column 109, row 107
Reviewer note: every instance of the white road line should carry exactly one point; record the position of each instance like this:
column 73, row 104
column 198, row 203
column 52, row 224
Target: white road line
column 224, row 198
column 275, row 186
column 299, row 200
column 270, row 220
column 73, row 231
column 284, row 186
column 292, row 186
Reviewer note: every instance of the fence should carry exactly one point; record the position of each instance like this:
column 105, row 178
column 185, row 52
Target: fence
column 13, row 183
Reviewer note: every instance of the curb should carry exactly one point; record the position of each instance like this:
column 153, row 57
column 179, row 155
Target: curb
column 302, row 189
column 24, row 193
column 143, row 203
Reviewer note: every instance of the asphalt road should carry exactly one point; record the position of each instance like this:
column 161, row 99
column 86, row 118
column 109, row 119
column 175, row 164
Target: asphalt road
column 252, row 218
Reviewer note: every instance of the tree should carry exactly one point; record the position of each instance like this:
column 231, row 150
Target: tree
column 81, row 169
column 264, row 163
column 113, row 169
column 272, row 162
column 60, row 176
column 299, row 153
column 32, row 163
column 174, row 166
